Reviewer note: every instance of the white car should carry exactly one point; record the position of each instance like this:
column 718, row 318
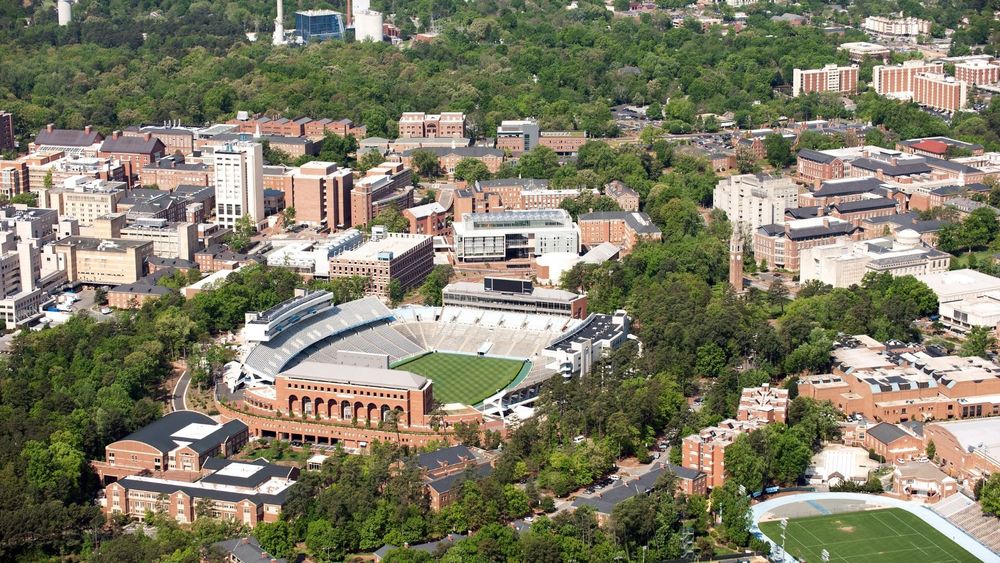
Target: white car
column 579, row 439
column 105, row 310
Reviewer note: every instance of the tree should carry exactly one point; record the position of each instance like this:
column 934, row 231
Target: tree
column 989, row 495
column 779, row 150
column 746, row 162
column 26, row 198
column 396, row 291
column 426, row 163
column 242, row 236
column 434, row 284
column 931, row 450
column 275, row 537
column 744, row 466
column 471, row 170
column 777, row 293
column 392, row 220
column 539, row 162
column 288, row 217
column 47, row 180
column 978, row 340
column 370, row 159
column 735, row 511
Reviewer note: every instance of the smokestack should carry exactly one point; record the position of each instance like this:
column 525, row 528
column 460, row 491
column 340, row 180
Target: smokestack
column 278, row 38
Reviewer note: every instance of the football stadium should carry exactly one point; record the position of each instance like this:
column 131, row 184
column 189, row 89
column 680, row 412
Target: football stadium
column 493, row 360
column 842, row 527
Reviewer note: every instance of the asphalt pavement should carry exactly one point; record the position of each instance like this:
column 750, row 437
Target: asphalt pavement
column 178, row 400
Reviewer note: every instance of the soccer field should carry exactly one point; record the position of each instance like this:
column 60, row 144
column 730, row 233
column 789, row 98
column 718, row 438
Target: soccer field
column 890, row 535
column 464, row 379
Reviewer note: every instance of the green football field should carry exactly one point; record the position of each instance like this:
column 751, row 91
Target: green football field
column 464, row 379
column 890, row 535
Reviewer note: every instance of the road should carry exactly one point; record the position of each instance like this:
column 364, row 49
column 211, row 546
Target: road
column 178, row 399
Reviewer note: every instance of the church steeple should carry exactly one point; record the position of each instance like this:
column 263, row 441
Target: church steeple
column 736, row 262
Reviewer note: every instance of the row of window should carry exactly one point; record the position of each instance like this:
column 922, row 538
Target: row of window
column 348, row 391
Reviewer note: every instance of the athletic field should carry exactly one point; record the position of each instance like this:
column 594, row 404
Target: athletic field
column 464, row 379
column 890, row 535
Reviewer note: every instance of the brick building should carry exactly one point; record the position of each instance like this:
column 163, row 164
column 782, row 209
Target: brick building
column 321, row 194
column 706, row 451
column 387, row 185
column 940, row 92
column 503, row 194
column 181, row 441
column 98, row 261
column 429, row 219
column 387, row 257
column 86, row 140
column 779, row 245
column 892, row 442
column 564, row 143
column 621, row 228
column 171, row 171
column 175, row 139
column 815, row 166
column 830, row 78
column 449, row 157
column 624, row 196
column 898, row 80
column 419, row 124
column 978, row 72
column 763, row 403
column 133, row 152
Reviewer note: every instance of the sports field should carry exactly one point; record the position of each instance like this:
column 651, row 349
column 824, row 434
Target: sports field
column 464, row 379
column 890, row 535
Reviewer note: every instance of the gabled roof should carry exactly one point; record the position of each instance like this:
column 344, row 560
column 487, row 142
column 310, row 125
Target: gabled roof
column 864, row 204
column 129, row 144
column 816, row 156
column 890, row 169
column 444, row 457
column 802, row 212
column 68, row 138
column 247, row 550
column 886, row 433
column 449, row 482
column 847, row 186
column 166, row 433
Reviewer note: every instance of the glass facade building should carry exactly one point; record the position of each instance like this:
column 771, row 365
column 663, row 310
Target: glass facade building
column 319, row 25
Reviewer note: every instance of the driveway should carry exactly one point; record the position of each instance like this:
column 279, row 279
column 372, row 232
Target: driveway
column 178, row 399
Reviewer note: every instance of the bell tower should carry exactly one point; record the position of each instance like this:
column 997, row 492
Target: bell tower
column 736, row 262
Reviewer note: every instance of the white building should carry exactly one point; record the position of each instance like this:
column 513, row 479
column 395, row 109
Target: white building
column 956, row 285
column 521, row 234
column 753, row 200
column 971, row 312
column 845, row 263
column 896, row 27
column 368, row 26
column 239, row 183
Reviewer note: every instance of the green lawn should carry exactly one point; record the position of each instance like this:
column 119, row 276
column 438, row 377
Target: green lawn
column 463, row 379
column 890, row 535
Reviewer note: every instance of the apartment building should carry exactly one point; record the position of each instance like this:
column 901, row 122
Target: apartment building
column 7, row 142
column 388, row 185
column 897, row 81
column 624, row 196
column 510, row 235
column 896, row 28
column 387, row 257
column 432, row 126
column 940, row 92
column 780, row 246
column 706, row 450
column 621, row 228
column 753, row 200
column 97, row 261
column 239, row 183
column 321, row 194
column 830, row 78
column 764, row 404
column 978, row 72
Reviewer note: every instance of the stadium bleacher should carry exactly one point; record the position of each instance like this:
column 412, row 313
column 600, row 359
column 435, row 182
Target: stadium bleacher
column 968, row 515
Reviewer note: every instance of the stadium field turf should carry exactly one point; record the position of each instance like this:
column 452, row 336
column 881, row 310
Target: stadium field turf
column 890, row 535
column 459, row 378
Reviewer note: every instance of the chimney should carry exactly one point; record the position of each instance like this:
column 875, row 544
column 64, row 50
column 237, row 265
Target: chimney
column 244, row 541
column 50, row 127
column 115, row 134
column 148, row 136
column 826, row 222
column 87, row 129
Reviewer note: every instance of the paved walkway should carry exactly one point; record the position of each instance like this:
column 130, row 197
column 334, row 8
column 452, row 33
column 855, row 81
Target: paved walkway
column 932, row 518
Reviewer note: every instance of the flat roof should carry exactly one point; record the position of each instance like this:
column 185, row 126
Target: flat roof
column 955, row 282
column 982, row 434
column 102, row 245
column 536, row 292
column 395, row 243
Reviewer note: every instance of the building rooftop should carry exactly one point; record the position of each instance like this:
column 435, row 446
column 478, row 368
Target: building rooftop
column 886, row 433
column 637, row 221
column 426, row 210
column 955, row 282
column 355, row 375
column 246, row 550
column 132, row 145
column 536, row 292
column 179, row 428
column 444, row 457
column 979, row 435
column 68, row 137
column 102, row 245
column 394, row 244
column 816, row 156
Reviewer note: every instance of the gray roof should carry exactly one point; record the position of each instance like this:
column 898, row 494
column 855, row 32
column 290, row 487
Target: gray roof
column 890, row 169
column 522, row 182
column 445, row 456
column 834, row 229
column 141, row 288
column 449, row 482
column 268, row 470
column 816, row 156
column 957, row 167
column 429, row 547
column 176, row 263
column 159, row 433
column 802, row 212
column 68, row 138
column 247, row 550
column 886, row 433
column 844, row 187
column 355, row 375
column 604, row 502
column 133, row 145
column 864, row 204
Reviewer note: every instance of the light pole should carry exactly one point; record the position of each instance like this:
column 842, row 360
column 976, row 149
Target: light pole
column 784, row 528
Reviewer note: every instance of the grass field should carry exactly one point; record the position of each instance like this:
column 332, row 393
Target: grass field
column 890, row 535
column 464, row 379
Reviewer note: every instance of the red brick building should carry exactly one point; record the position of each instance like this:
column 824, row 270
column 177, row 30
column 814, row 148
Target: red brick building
column 133, row 152
column 830, row 78
column 940, row 92
column 978, row 72
column 563, row 142
column 899, row 79
column 763, row 403
column 430, row 219
column 413, row 124
column 816, row 167
column 621, row 228
column 321, row 194
column 624, row 196
column 706, row 451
